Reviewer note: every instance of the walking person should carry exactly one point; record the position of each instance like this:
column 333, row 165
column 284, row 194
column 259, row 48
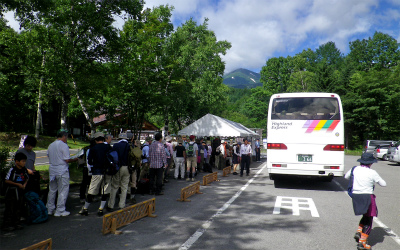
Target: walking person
column 59, row 157
column 258, row 149
column 364, row 203
column 168, row 146
column 245, row 154
column 158, row 162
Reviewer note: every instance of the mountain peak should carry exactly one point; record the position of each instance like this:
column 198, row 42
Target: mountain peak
column 242, row 79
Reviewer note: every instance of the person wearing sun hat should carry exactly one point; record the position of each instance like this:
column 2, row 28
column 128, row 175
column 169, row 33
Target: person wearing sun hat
column 363, row 197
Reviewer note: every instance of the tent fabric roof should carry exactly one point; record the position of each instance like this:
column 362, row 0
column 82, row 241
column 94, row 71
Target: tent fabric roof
column 212, row 125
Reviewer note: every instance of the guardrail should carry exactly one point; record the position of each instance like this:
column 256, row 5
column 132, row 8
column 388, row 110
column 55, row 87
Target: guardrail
column 44, row 245
column 210, row 178
column 226, row 171
column 188, row 191
column 124, row 216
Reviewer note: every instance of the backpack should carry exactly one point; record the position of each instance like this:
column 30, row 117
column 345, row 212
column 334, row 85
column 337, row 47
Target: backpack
column 167, row 151
column 37, row 209
column 135, row 156
column 350, row 186
column 190, row 150
column 112, row 163
column 143, row 155
column 218, row 150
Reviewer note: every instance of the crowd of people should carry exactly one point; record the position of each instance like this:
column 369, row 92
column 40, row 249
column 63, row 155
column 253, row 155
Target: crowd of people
column 145, row 167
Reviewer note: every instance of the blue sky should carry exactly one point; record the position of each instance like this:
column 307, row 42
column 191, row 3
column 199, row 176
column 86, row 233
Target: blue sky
column 261, row 29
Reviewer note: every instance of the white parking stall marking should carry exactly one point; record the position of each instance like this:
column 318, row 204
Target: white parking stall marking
column 294, row 205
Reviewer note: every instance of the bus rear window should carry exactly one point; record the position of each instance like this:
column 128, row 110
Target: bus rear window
column 305, row 108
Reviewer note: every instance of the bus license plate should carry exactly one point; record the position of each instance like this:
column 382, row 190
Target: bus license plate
column 304, row 158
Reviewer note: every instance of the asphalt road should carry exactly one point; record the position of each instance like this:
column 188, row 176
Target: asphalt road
column 42, row 159
column 234, row 213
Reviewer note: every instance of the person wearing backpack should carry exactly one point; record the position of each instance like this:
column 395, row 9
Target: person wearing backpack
column 364, row 179
column 144, row 170
column 98, row 159
column 121, row 178
column 191, row 158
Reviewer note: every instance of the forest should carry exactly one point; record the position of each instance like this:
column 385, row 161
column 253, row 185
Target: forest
column 69, row 61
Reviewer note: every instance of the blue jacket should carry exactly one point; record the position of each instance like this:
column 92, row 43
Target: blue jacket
column 122, row 148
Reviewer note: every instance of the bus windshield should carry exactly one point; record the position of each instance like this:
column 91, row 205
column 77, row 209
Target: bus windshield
column 305, row 108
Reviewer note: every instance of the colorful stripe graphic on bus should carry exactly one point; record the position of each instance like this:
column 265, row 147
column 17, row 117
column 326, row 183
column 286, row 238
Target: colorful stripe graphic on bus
column 316, row 125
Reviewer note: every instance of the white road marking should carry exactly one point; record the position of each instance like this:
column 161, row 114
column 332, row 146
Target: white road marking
column 389, row 231
column 294, row 204
column 208, row 223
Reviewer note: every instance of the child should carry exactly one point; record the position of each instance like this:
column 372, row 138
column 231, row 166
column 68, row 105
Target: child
column 16, row 179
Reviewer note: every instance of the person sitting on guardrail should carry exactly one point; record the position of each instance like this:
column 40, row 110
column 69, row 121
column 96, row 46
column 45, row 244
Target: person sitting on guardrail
column 364, row 179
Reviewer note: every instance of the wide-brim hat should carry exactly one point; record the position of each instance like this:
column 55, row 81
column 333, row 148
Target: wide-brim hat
column 123, row 136
column 168, row 138
column 98, row 135
column 367, row 158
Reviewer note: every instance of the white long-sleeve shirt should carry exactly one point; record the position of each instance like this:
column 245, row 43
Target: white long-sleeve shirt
column 245, row 149
column 364, row 180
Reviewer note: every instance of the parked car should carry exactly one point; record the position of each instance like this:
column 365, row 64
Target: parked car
column 394, row 153
column 381, row 152
column 370, row 145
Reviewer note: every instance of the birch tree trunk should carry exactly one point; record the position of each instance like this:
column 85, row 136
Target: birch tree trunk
column 39, row 104
column 84, row 109
column 64, row 111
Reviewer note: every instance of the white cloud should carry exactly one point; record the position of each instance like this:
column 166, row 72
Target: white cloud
column 261, row 29
column 9, row 16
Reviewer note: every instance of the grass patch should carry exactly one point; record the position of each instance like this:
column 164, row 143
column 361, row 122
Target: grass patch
column 11, row 140
column 75, row 173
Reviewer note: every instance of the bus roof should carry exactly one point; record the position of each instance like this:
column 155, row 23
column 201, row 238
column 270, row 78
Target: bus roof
column 305, row 94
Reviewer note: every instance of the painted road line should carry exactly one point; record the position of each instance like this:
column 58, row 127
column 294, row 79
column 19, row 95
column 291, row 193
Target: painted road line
column 389, row 231
column 208, row 223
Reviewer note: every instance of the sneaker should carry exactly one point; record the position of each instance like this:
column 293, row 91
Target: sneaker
column 235, row 173
column 357, row 236
column 187, row 179
column 50, row 212
column 192, row 179
column 100, row 212
column 84, row 212
column 63, row 214
column 109, row 209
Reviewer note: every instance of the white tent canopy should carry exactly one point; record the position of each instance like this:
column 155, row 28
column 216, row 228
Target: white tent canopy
column 212, row 125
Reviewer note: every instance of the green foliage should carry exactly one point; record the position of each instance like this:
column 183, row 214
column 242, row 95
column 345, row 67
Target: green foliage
column 4, row 156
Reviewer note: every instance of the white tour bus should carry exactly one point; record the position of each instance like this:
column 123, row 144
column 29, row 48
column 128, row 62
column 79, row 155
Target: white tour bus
column 305, row 135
